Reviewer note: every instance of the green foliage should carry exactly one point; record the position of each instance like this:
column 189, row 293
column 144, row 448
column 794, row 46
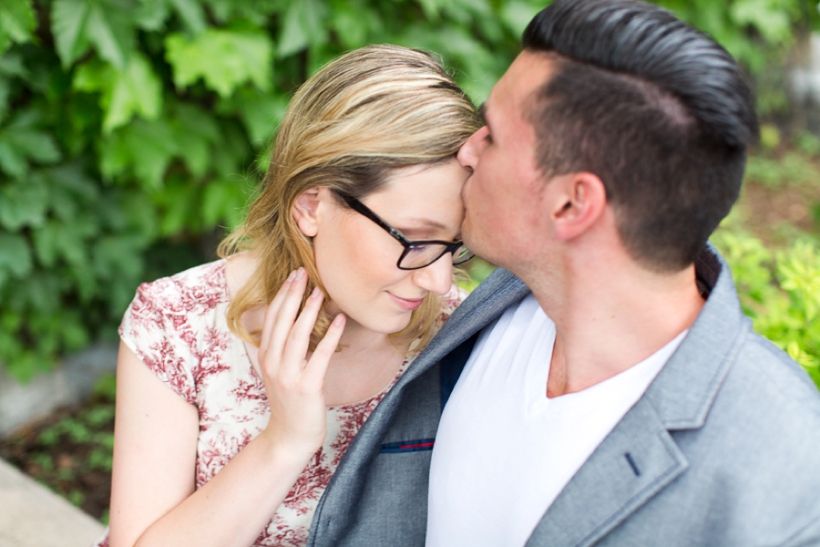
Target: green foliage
column 131, row 129
column 780, row 291
column 792, row 168
column 759, row 33
column 224, row 59
column 16, row 22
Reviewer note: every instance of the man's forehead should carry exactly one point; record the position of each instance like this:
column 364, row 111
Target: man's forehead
column 528, row 72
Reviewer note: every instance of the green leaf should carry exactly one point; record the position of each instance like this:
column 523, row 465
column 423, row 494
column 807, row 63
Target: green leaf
column 257, row 12
column 5, row 91
column 151, row 14
column 23, row 203
column 20, row 141
column 135, row 91
column 68, row 22
column 139, row 214
column 179, row 203
column 349, row 28
column 196, row 131
column 767, row 16
column 118, row 256
column 224, row 59
column 261, row 113
column 147, row 147
column 72, row 178
column 107, row 24
column 192, row 14
column 223, row 200
column 17, row 21
column 71, row 238
column 15, row 255
column 303, row 27
column 230, row 156
column 46, row 245
column 110, row 29
column 25, row 365
column 432, row 9
column 194, row 150
column 517, row 14
column 12, row 65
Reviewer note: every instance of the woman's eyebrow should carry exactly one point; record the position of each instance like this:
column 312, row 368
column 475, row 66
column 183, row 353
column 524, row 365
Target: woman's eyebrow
column 421, row 224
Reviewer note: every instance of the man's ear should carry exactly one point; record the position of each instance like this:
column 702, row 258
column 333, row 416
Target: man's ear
column 305, row 211
column 583, row 200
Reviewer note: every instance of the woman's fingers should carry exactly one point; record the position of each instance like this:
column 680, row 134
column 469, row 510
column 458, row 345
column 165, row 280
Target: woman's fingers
column 272, row 311
column 286, row 315
column 298, row 340
column 317, row 366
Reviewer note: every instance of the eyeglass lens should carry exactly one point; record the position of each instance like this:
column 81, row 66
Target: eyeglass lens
column 419, row 256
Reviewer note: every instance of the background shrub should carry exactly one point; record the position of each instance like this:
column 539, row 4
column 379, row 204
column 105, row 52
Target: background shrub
column 132, row 131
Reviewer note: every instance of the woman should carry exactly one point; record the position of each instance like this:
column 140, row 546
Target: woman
column 358, row 225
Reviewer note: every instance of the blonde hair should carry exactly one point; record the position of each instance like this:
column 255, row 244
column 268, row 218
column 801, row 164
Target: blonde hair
column 364, row 114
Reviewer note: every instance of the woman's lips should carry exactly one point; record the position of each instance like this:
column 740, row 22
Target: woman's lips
column 408, row 304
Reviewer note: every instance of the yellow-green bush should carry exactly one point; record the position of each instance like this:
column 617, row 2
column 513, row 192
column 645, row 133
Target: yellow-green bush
column 780, row 291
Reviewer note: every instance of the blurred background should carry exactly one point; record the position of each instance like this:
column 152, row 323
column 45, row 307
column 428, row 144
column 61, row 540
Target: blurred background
column 133, row 131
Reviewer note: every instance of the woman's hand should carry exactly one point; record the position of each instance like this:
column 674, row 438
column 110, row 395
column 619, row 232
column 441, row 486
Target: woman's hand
column 155, row 502
column 293, row 380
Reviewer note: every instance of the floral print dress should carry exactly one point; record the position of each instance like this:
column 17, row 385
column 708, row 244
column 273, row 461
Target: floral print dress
column 177, row 326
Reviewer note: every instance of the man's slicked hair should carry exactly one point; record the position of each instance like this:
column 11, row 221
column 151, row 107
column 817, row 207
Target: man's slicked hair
column 655, row 108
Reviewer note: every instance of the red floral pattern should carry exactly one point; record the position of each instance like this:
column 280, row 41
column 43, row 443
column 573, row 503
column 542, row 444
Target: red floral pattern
column 177, row 327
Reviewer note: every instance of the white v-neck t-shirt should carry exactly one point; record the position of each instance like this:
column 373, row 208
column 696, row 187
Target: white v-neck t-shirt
column 504, row 451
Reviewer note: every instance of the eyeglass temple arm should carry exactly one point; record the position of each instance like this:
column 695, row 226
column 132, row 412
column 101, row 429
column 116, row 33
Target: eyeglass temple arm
column 361, row 208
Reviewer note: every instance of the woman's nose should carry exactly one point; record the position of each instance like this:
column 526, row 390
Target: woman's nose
column 437, row 277
column 470, row 151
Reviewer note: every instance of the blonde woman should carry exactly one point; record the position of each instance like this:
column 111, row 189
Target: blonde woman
column 240, row 383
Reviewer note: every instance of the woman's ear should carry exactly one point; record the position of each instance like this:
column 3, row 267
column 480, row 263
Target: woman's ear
column 306, row 211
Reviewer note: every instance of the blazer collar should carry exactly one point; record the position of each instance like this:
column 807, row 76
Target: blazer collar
column 685, row 389
column 640, row 457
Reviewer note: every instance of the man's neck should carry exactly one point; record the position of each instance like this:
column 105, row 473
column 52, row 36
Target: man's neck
column 610, row 319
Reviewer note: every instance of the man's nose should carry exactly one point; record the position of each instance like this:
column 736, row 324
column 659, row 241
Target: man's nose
column 470, row 151
column 436, row 277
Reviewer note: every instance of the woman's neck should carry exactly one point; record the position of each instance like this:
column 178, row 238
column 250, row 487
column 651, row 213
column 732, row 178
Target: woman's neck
column 365, row 364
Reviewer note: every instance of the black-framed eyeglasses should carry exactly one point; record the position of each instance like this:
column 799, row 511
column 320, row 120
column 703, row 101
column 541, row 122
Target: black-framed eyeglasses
column 417, row 254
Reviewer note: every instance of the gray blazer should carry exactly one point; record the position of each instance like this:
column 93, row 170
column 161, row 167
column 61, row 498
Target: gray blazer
column 722, row 449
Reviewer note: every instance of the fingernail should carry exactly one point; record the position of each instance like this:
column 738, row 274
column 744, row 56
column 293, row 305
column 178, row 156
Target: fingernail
column 300, row 273
column 339, row 320
column 291, row 276
column 316, row 292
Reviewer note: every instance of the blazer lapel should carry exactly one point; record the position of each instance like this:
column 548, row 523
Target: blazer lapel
column 640, row 458
column 338, row 505
column 637, row 460
column 485, row 304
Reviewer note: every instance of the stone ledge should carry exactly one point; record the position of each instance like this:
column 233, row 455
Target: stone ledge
column 70, row 382
column 33, row 516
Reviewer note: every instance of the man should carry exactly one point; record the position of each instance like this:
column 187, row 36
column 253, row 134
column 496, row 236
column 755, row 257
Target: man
column 617, row 395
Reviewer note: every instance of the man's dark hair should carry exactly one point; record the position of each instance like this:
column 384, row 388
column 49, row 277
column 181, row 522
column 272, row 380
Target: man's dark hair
column 655, row 108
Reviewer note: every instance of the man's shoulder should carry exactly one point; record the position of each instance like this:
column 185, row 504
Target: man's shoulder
column 762, row 431
column 765, row 381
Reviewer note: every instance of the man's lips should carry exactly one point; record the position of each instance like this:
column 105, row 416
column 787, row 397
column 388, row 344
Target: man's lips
column 409, row 304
